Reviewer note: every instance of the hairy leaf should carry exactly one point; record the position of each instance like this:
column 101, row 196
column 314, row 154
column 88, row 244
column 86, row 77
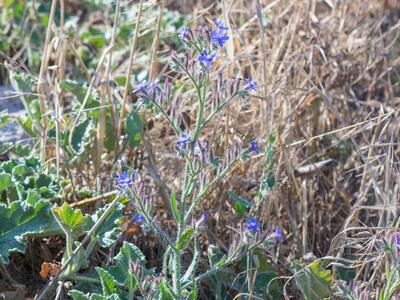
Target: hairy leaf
column 17, row 222
column 109, row 230
column 185, row 238
column 107, row 282
column 5, row 181
column 73, row 218
column 174, row 206
column 165, row 291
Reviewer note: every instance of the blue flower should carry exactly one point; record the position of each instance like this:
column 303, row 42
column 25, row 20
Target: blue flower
column 251, row 84
column 138, row 218
column 206, row 58
column 254, row 147
column 252, row 225
column 183, row 140
column 278, row 234
column 219, row 37
column 184, row 33
column 124, row 180
column 220, row 25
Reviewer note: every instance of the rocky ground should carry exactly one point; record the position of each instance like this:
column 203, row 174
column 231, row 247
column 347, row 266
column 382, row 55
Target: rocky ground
column 12, row 132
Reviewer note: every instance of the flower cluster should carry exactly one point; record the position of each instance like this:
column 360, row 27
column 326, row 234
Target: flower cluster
column 219, row 37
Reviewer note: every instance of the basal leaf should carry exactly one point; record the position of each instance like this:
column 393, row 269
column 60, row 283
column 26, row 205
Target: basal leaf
column 17, row 222
column 5, row 181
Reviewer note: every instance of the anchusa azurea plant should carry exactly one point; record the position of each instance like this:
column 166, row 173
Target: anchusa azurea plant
column 203, row 168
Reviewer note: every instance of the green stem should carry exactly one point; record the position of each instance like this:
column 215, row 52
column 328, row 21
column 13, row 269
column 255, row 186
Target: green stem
column 176, row 276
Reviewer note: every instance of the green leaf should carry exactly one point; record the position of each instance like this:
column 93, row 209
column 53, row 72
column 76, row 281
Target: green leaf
column 240, row 203
column 174, row 206
column 4, row 118
column 108, row 232
column 165, row 291
column 133, row 129
column 313, row 281
column 81, row 137
column 107, row 282
column 5, row 181
column 79, row 91
column 17, row 222
column 185, row 238
column 78, row 295
column 73, row 218
column 20, row 170
column 21, row 150
column 128, row 254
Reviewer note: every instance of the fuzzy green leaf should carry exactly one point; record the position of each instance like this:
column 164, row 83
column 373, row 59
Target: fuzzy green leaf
column 107, row 282
column 73, row 218
column 174, row 207
column 78, row 295
column 109, row 230
column 5, row 181
column 185, row 238
column 165, row 291
column 128, row 254
column 17, row 222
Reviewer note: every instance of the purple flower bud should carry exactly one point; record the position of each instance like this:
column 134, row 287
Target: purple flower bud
column 252, row 225
column 397, row 239
column 142, row 88
column 184, row 34
column 152, row 86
